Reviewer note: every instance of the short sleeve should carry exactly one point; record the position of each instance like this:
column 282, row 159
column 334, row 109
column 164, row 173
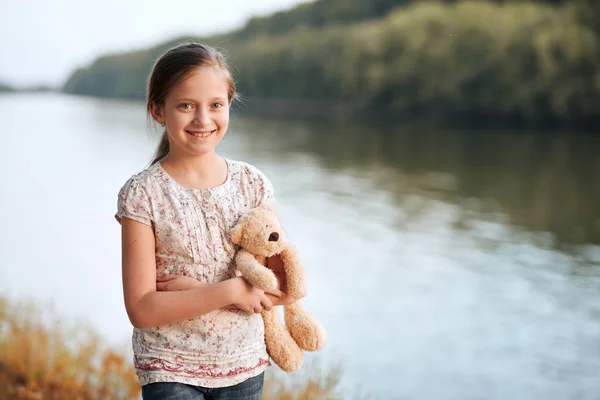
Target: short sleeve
column 133, row 202
column 264, row 191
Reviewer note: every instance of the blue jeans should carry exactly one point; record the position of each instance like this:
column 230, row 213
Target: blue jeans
column 250, row 389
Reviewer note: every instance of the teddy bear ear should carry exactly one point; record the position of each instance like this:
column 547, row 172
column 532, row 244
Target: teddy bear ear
column 235, row 234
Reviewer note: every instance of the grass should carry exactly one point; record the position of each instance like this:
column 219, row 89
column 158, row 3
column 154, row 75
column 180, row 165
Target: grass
column 311, row 382
column 52, row 361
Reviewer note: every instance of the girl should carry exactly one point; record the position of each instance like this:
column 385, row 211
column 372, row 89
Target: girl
column 198, row 332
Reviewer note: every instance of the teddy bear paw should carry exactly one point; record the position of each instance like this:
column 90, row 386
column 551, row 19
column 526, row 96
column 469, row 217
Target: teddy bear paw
column 266, row 280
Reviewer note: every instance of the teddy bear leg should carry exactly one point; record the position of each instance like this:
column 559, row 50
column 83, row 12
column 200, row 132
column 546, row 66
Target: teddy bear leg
column 308, row 333
column 282, row 348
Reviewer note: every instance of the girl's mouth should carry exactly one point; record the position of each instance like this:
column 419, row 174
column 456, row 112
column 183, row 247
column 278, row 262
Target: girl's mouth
column 201, row 134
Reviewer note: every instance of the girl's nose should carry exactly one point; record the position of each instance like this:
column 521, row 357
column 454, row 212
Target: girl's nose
column 202, row 117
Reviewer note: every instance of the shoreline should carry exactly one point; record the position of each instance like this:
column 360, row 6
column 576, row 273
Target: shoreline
column 327, row 111
column 333, row 112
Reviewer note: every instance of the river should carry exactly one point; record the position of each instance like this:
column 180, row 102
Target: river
column 444, row 263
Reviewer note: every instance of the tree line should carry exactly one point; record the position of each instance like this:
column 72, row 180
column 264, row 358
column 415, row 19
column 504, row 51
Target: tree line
column 525, row 62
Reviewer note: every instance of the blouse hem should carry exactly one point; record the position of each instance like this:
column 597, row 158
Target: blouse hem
column 148, row 377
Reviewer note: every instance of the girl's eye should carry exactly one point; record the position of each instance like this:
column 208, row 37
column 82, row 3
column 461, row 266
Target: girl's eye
column 186, row 106
column 217, row 105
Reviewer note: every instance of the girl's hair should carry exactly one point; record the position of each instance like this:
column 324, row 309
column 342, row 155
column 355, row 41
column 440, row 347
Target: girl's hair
column 174, row 65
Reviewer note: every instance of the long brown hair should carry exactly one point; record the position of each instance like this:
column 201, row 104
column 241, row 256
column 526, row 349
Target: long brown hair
column 173, row 66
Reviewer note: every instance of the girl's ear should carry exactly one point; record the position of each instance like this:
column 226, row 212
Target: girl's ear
column 157, row 113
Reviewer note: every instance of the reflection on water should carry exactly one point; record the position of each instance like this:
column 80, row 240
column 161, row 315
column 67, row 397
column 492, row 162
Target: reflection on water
column 491, row 266
column 444, row 264
column 543, row 182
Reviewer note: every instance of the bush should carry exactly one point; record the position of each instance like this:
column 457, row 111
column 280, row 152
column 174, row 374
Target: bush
column 43, row 359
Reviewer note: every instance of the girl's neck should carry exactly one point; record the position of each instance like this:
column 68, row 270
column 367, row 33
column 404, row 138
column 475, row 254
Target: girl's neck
column 208, row 170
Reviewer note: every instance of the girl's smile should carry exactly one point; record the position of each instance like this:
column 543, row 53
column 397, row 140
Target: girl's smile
column 200, row 134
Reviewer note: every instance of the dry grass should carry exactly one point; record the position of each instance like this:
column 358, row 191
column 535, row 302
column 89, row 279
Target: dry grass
column 311, row 382
column 51, row 361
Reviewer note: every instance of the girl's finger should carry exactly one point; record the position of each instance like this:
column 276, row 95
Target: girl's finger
column 165, row 278
column 266, row 304
column 276, row 293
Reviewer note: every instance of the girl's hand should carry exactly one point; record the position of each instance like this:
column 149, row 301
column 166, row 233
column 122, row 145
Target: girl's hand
column 176, row 282
column 280, row 300
column 277, row 298
column 251, row 299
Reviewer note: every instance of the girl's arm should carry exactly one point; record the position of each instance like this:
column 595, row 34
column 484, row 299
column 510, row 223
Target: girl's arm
column 179, row 282
column 146, row 307
column 168, row 283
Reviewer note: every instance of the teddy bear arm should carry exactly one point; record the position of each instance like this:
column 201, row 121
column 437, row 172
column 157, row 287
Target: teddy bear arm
column 294, row 272
column 257, row 274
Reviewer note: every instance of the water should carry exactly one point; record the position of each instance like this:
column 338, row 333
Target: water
column 444, row 264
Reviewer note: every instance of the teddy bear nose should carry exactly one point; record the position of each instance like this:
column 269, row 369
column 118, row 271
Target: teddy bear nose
column 273, row 237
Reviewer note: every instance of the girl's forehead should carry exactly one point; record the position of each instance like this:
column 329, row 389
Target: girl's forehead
column 203, row 81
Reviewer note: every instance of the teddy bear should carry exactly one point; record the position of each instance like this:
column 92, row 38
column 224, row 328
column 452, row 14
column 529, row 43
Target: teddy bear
column 259, row 235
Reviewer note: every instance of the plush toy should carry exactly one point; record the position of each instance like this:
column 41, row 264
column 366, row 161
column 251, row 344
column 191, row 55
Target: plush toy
column 260, row 235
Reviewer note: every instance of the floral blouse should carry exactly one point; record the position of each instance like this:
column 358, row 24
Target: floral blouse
column 223, row 347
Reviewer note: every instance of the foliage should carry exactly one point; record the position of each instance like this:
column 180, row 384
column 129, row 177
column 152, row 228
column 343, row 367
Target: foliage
column 6, row 88
column 42, row 358
column 522, row 62
column 38, row 361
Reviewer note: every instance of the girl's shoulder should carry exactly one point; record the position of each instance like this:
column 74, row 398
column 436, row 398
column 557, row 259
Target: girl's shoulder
column 146, row 181
column 152, row 175
column 243, row 169
column 135, row 196
column 250, row 179
column 155, row 182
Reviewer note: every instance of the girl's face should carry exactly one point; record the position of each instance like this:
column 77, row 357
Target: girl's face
column 196, row 112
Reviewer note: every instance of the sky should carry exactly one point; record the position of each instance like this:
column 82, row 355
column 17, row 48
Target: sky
column 42, row 42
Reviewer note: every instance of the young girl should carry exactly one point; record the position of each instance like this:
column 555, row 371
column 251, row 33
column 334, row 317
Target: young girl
column 198, row 332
